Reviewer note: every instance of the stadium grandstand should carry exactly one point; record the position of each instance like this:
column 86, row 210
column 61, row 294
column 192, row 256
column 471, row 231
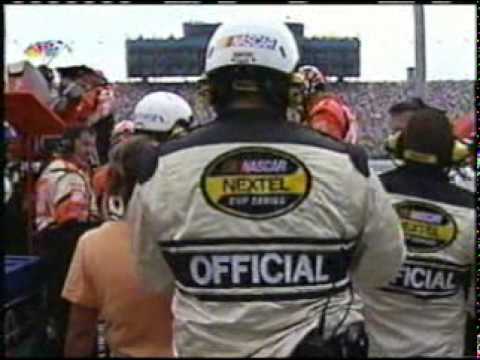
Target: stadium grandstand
column 339, row 57
column 369, row 100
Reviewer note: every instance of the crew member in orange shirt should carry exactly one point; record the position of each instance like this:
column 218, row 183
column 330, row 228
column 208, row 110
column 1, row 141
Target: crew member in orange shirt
column 65, row 209
column 102, row 282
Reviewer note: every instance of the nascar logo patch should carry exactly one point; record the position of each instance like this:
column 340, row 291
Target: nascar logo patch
column 255, row 183
column 427, row 227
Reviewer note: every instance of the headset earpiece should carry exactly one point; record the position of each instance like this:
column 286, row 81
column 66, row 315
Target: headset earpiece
column 394, row 145
column 460, row 153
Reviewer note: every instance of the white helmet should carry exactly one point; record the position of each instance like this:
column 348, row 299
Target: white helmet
column 160, row 112
column 314, row 79
column 269, row 45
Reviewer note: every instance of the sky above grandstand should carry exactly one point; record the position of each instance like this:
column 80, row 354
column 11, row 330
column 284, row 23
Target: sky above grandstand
column 97, row 33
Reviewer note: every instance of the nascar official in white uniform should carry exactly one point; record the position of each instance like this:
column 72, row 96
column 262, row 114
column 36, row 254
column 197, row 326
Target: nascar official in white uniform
column 423, row 311
column 262, row 225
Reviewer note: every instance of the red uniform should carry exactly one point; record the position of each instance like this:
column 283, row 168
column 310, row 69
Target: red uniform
column 329, row 114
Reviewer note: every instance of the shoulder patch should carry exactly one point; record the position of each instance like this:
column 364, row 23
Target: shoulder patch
column 255, row 183
column 359, row 159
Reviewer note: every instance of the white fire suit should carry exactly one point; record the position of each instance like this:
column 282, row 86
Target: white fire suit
column 422, row 312
column 262, row 225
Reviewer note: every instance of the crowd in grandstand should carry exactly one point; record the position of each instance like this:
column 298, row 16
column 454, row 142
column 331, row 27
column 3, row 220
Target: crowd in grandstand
column 370, row 102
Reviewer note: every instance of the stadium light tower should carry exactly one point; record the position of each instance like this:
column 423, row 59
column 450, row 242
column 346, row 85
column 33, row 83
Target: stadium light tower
column 420, row 65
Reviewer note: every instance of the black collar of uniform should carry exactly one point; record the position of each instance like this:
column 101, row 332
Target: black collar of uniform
column 256, row 114
column 426, row 171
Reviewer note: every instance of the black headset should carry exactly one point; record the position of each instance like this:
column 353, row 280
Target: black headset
column 395, row 146
column 395, row 143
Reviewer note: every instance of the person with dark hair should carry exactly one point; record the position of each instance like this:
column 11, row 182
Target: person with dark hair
column 121, row 132
column 64, row 191
column 102, row 282
column 65, row 208
column 401, row 112
column 262, row 225
column 103, row 129
column 423, row 311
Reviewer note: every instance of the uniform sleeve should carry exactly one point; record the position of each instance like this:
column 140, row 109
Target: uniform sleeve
column 381, row 249
column 79, row 287
column 151, row 265
column 71, row 199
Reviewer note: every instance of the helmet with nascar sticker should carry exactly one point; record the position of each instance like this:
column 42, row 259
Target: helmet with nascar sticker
column 271, row 46
column 314, row 80
column 160, row 112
